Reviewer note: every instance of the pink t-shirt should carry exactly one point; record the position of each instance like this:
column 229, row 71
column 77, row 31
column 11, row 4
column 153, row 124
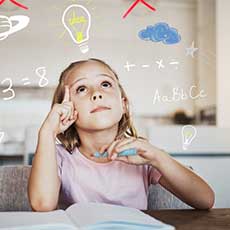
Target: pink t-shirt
column 114, row 182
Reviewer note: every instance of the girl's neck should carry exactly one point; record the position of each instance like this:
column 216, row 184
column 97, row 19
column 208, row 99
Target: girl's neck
column 92, row 141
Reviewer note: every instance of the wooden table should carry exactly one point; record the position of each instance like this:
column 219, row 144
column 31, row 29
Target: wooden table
column 192, row 219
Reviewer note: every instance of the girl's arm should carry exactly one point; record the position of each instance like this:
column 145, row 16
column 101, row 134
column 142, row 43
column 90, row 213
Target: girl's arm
column 176, row 178
column 44, row 183
column 183, row 182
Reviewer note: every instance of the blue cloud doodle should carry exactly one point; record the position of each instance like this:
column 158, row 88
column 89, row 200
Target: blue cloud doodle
column 160, row 32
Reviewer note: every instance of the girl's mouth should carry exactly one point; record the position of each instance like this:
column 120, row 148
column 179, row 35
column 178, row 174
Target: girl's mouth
column 99, row 109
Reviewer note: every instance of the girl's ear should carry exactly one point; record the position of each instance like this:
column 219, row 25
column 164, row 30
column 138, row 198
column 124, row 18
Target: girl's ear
column 124, row 106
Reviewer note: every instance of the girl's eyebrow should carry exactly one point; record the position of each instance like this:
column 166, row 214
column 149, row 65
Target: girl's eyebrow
column 101, row 74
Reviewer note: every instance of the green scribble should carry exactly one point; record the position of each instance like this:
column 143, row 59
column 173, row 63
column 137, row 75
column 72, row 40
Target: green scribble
column 75, row 20
column 188, row 133
column 79, row 36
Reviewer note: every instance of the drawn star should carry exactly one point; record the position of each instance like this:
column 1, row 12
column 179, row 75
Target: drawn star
column 191, row 50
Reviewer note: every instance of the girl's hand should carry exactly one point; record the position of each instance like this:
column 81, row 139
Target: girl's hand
column 61, row 116
column 146, row 153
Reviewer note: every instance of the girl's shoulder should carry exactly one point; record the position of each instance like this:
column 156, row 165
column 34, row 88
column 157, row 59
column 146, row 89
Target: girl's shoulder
column 61, row 151
column 59, row 148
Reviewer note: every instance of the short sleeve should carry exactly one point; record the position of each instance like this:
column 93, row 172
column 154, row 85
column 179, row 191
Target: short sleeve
column 59, row 159
column 153, row 175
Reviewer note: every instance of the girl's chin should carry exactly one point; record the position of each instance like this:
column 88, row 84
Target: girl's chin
column 102, row 125
column 99, row 122
column 97, row 125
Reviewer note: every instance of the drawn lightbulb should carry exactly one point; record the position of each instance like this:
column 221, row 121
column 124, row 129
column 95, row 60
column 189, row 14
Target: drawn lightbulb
column 188, row 134
column 77, row 21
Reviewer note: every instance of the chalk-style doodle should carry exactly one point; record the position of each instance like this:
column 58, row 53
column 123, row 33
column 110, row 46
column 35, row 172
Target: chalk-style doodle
column 174, row 63
column 77, row 21
column 134, row 5
column 128, row 66
column 43, row 81
column 1, row 136
column 191, row 50
column 188, row 133
column 179, row 94
column 15, row 3
column 7, row 27
column 9, row 89
column 160, row 64
column 41, row 72
column 145, row 66
column 160, row 32
column 26, row 81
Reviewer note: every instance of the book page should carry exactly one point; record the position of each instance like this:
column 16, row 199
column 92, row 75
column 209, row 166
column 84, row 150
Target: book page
column 56, row 219
column 84, row 214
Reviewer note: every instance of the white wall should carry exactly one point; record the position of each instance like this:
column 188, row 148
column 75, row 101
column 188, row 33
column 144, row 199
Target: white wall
column 206, row 58
column 223, row 57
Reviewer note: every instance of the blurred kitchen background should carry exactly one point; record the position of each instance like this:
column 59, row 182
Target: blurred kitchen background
column 46, row 44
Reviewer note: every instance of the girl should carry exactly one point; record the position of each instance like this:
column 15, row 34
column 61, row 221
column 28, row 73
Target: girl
column 90, row 113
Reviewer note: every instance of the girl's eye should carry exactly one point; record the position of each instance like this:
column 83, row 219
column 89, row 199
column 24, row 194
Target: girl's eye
column 106, row 84
column 80, row 89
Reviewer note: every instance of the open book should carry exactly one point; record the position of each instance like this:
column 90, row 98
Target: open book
column 84, row 216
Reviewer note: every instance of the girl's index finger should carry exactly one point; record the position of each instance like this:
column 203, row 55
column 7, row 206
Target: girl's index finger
column 67, row 94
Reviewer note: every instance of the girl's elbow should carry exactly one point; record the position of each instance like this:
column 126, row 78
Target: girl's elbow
column 211, row 200
column 42, row 206
column 208, row 201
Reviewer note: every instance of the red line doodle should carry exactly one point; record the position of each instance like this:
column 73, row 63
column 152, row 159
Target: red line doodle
column 16, row 3
column 134, row 4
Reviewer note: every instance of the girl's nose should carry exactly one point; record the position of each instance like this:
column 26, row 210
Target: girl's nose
column 96, row 96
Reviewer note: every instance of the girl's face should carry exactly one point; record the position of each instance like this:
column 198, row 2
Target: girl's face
column 92, row 86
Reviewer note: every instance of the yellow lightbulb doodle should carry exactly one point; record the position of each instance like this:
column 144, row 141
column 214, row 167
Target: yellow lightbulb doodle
column 77, row 21
column 188, row 134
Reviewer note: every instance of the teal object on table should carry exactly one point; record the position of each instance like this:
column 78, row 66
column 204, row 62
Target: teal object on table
column 127, row 152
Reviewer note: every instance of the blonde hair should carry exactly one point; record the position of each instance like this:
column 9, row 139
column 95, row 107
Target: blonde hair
column 70, row 138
